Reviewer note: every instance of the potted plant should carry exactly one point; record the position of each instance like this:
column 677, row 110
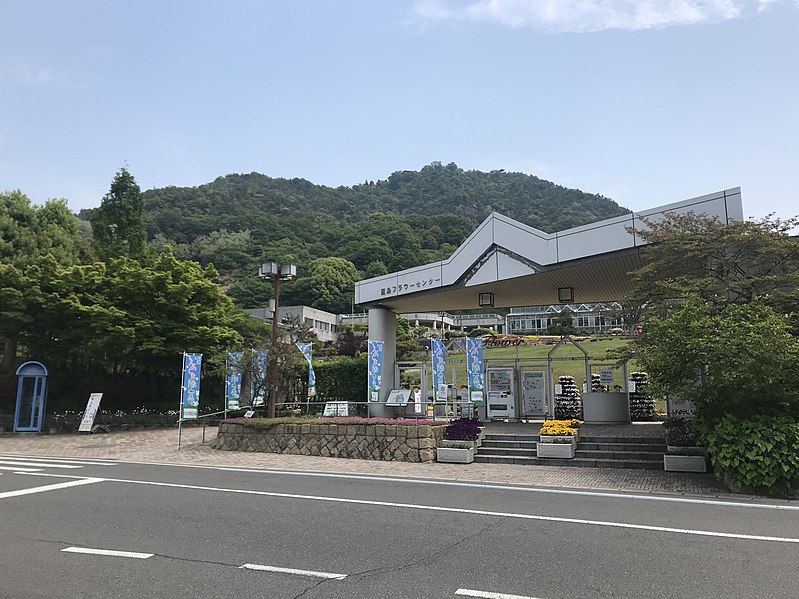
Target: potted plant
column 461, row 439
column 556, row 439
column 682, row 453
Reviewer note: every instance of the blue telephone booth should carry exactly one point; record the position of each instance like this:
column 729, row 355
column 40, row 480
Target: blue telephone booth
column 31, row 397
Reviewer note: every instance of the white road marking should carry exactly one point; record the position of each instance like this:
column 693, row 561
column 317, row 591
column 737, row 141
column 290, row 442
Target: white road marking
column 55, row 487
column 18, row 469
column 56, row 460
column 487, row 595
column 329, row 575
column 111, row 552
column 38, row 464
column 433, row 508
column 497, row 487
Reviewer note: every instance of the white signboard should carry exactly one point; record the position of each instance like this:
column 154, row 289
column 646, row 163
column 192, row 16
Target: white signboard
column 336, row 408
column 398, row 397
column 606, row 376
column 630, row 386
column 249, row 413
column 90, row 412
column 476, row 397
column 676, row 406
column 559, row 389
column 418, row 408
column 232, row 404
column 534, row 393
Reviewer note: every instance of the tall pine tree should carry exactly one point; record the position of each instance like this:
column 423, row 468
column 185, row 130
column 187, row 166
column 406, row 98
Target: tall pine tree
column 118, row 224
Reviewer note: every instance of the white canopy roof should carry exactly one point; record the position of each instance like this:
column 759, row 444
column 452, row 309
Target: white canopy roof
column 523, row 266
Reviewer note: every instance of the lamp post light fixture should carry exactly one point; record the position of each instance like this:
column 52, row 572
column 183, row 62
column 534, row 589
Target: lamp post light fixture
column 276, row 273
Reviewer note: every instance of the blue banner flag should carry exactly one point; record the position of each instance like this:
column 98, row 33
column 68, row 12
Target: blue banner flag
column 305, row 348
column 190, row 388
column 474, row 369
column 260, row 364
column 439, row 351
column 233, row 380
column 375, row 361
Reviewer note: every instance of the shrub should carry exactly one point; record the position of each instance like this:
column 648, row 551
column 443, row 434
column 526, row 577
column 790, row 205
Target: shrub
column 761, row 452
column 680, row 431
column 463, row 429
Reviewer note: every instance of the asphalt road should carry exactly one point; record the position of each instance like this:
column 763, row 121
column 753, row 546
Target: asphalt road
column 187, row 531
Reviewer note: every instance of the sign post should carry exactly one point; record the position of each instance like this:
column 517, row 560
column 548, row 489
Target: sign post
column 90, row 412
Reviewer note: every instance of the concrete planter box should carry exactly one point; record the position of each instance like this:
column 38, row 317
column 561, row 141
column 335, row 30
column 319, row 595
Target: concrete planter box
column 684, row 463
column 555, row 450
column 455, row 455
column 460, row 444
column 558, row 439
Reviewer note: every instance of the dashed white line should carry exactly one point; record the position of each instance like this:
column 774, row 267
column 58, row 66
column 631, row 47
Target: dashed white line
column 18, row 469
column 54, row 460
column 37, row 464
column 487, row 595
column 55, row 487
column 312, row 573
column 111, row 552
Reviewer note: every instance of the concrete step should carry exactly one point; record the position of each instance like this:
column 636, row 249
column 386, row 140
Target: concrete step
column 504, row 451
column 619, row 455
column 498, row 437
column 575, row 462
column 493, row 443
column 639, row 447
column 636, row 440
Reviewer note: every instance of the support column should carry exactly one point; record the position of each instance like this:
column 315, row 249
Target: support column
column 383, row 327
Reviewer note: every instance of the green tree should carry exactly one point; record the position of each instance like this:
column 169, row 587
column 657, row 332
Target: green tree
column 28, row 232
column 695, row 255
column 328, row 284
column 739, row 359
column 118, row 223
column 562, row 324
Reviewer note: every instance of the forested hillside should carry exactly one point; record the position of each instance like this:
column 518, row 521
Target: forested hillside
column 411, row 218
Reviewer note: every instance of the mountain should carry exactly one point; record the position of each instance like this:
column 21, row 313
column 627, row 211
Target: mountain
column 410, row 218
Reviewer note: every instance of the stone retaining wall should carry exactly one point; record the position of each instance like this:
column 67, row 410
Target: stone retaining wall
column 391, row 442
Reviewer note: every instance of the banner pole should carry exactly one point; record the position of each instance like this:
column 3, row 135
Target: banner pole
column 224, row 397
column 180, row 405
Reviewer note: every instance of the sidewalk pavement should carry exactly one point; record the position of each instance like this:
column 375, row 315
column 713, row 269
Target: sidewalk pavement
column 161, row 446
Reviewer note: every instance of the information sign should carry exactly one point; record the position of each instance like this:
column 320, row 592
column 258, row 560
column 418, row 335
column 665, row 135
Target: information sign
column 606, row 376
column 336, row 408
column 534, row 392
column 90, row 412
column 679, row 407
column 398, row 397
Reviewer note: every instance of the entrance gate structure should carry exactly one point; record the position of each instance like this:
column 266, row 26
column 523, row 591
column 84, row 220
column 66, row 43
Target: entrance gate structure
column 519, row 388
column 506, row 264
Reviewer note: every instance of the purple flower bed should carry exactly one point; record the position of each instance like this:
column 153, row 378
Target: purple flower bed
column 337, row 420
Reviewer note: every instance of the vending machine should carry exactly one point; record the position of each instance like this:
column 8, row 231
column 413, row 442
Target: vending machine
column 501, row 395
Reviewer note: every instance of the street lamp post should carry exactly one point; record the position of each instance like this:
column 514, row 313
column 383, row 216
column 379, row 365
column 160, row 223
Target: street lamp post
column 276, row 273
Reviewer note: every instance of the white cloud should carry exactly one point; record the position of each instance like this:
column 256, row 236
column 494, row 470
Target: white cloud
column 589, row 15
column 28, row 74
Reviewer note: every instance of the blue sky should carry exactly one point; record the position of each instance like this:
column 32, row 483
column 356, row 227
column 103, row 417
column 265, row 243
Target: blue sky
column 645, row 101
